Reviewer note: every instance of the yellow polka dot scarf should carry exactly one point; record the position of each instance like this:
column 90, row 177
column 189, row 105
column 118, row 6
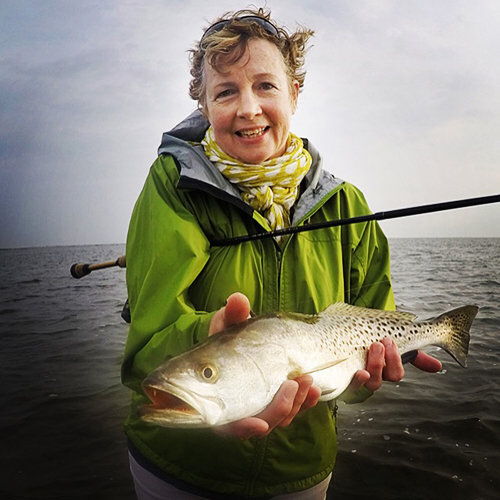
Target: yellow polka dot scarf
column 270, row 188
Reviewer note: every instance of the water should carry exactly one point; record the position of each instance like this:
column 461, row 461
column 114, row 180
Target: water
column 432, row 436
column 60, row 349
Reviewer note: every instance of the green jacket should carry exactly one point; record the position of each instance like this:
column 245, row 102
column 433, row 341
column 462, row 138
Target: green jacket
column 176, row 281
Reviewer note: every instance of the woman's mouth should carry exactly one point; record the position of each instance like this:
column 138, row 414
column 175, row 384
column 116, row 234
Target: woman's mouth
column 252, row 133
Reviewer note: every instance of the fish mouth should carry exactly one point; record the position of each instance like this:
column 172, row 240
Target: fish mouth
column 163, row 400
column 171, row 406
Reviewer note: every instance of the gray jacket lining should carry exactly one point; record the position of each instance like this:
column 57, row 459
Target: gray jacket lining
column 197, row 172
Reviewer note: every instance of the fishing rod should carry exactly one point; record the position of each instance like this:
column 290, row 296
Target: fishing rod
column 390, row 214
column 80, row 270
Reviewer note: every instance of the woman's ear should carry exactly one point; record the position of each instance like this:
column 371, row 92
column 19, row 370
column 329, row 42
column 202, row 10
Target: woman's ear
column 295, row 87
column 203, row 109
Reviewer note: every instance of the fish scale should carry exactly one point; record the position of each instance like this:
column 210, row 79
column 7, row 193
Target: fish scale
column 236, row 372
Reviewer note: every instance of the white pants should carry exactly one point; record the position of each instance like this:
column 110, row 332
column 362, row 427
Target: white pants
column 150, row 487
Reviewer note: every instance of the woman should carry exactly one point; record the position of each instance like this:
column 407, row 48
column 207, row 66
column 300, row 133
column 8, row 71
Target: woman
column 230, row 169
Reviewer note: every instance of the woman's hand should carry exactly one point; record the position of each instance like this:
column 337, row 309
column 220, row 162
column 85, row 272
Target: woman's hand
column 384, row 363
column 293, row 396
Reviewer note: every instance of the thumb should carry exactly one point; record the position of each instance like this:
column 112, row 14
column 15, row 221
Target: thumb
column 236, row 310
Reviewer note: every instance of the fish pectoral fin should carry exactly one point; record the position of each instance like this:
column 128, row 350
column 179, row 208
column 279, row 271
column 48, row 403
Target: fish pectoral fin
column 326, row 392
column 325, row 366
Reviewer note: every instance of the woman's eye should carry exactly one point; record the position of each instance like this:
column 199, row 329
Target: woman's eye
column 224, row 93
column 267, row 86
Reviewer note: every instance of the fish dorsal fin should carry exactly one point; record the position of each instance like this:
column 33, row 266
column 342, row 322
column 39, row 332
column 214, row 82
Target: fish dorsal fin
column 341, row 308
column 316, row 369
column 310, row 319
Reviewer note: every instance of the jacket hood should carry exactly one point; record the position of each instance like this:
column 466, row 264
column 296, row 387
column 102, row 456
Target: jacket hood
column 192, row 128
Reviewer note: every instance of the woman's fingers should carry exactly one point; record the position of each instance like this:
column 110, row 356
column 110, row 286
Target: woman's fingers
column 306, row 397
column 244, row 428
column 383, row 363
column 280, row 408
column 393, row 370
column 236, row 310
column 427, row 363
column 282, row 405
column 361, row 377
column 375, row 364
column 312, row 398
column 292, row 397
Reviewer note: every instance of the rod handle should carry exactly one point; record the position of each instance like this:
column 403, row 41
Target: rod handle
column 79, row 270
column 409, row 357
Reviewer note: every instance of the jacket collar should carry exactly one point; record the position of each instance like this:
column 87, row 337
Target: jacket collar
column 197, row 172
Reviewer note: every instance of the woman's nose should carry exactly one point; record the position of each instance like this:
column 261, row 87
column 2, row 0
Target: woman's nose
column 249, row 105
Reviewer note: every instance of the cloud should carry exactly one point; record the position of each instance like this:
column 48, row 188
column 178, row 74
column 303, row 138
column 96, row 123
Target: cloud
column 401, row 98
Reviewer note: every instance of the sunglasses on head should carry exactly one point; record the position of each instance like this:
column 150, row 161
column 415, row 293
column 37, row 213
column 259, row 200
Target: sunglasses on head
column 264, row 23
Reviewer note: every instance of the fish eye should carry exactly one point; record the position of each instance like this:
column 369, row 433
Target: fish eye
column 208, row 373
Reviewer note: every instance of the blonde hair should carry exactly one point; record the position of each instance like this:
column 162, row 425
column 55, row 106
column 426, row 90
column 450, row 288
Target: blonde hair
column 229, row 44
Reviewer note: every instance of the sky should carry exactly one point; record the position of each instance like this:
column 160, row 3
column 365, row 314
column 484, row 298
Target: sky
column 402, row 98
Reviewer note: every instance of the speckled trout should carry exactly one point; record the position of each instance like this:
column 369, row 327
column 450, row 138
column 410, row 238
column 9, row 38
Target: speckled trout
column 237, row 372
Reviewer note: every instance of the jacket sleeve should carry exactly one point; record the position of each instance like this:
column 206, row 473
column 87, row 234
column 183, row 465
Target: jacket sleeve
column 166, row 250
column 371, row 270
column 368, row 262
column 370, row 275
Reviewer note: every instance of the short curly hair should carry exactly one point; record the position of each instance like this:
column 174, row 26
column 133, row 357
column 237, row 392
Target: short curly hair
column 229, row 44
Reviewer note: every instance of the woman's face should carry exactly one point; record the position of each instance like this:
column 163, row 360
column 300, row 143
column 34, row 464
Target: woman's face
column 250, row 104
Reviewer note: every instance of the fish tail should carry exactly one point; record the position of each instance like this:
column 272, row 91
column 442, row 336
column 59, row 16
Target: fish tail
column 457, row 341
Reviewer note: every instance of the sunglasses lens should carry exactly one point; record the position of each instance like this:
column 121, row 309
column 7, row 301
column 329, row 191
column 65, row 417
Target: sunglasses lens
column 269, row 27
column 214, row 29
